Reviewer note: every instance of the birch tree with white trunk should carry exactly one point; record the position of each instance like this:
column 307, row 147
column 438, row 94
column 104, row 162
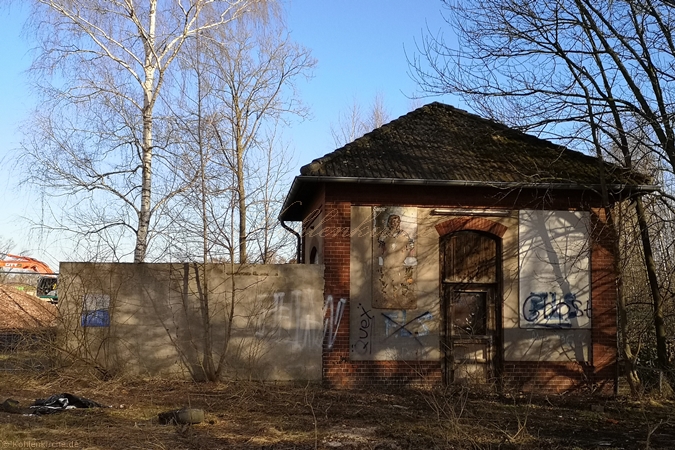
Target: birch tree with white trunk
column 100, row 138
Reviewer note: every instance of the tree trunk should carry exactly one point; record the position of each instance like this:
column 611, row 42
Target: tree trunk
column 241, row 192
column 141, row 247
column 657, row 300
column 150, row 67
column 630, row 359
column 207, row 339
column 230, row 320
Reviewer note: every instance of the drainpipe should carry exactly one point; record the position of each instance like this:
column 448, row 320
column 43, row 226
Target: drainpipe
column 298, row 257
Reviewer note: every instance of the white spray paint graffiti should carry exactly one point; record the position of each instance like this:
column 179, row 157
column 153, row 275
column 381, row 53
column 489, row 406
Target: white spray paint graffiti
column 281, row 311
column 288, row 319
column 332, row 319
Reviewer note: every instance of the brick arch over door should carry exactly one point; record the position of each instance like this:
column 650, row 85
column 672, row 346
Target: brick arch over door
column 471, row 223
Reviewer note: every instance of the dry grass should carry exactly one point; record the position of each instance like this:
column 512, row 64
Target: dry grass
column 245, row 415
column 248, row 415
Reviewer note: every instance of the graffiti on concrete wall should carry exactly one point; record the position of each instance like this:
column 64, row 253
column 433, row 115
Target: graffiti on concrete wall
column 332, row 317
column 393, row 313
column 95, row 310
column 554, row 269
column 288, row 319
column 397, row 325
column 365, row 334
column 548, row 310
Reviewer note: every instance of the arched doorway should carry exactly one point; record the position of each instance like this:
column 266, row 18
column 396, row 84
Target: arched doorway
column 471, row 293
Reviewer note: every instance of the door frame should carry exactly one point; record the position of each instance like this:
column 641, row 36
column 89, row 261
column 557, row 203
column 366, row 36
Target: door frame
column 494, row 293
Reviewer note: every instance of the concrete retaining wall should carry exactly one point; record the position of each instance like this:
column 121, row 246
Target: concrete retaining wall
column 160, row 319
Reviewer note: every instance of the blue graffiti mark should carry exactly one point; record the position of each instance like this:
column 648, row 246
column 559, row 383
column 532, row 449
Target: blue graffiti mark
column 97, row 318
column 392, row 324
column 423, row 328
column 400, row 326
column 551, row 312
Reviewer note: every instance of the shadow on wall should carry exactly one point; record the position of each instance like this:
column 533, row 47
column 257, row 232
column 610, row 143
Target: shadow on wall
column 199, row 321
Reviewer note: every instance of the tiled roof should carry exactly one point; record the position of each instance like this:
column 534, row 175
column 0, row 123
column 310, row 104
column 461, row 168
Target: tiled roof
column 443, row 143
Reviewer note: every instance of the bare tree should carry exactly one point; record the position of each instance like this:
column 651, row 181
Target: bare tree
column 6, row 245
column 100, row 136
column 597, row 74
column 251, row 72
column 236, row 89
column 272, row 243
column 354, row 123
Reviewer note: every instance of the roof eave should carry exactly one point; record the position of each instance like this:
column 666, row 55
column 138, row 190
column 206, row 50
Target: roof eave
column 299, row 180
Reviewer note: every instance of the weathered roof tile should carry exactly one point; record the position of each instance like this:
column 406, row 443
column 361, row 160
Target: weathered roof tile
column 440, row 142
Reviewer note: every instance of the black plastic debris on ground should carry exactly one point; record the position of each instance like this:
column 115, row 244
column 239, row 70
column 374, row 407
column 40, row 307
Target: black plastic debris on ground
column 61, row 402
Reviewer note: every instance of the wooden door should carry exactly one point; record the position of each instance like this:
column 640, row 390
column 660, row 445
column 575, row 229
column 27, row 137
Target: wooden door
column 470, row 266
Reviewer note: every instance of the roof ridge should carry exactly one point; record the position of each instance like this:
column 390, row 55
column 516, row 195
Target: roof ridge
column 438, row 141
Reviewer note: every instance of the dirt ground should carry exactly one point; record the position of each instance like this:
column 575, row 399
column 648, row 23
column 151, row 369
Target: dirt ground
column 21, row 311
column 248, row 415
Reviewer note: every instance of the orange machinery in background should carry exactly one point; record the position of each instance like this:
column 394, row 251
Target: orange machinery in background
column 46, row 285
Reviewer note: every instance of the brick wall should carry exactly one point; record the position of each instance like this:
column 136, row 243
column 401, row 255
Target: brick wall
column 604, row 298
column 339, row 371
column 459, row 197
column 547, row 377
column 600, row 374
column 473, row 223
column 336, row 277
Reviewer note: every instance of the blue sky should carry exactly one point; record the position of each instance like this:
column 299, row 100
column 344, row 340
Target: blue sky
column 360, row 47
column 361, row 51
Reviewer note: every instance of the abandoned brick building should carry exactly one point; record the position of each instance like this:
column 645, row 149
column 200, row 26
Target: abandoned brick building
column 459, row 249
